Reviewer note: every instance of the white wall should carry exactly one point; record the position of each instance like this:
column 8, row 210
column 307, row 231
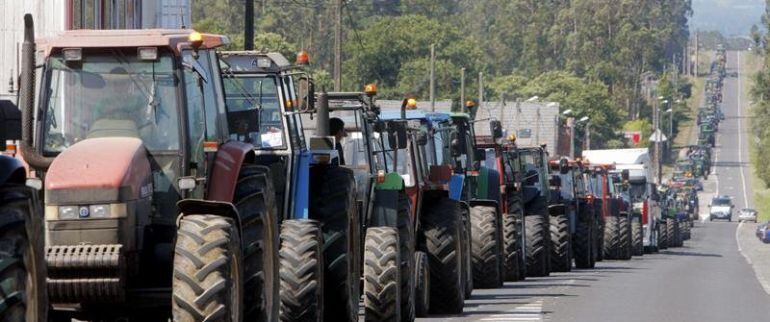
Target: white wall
column 49, row 18
column 168, row 14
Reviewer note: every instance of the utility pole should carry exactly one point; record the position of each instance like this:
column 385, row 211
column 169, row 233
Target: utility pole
column 481, row 90
column 432, row 77
column 462, row 89
column 338, row 45
column 656, row 136
column 571, row 125
column 248, row 32
column 588, row 135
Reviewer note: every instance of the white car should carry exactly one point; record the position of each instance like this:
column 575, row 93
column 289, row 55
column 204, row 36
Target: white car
column 721, row 207
column 747, row 214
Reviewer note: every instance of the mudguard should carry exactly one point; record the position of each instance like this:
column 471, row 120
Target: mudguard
column 385, row 212
column 201, row 207
column 12, row 171
column 557, row 209
column 224, row 175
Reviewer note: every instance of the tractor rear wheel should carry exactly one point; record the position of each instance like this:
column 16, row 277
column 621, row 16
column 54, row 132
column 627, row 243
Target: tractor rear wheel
column 561, row 244
column 662, row 234
column 302, row 271
column 673, row 232
column 333, row 203
column 538, row 239
column 421, row 284
column 512, row 239
column 441, row 226
column 485, row 247
column 207, row 280
column 467, row 262
column 256, row 204
column 625, row 237
column 407, row 258
column 23, row 292
column 583, row 240
column 612, row 238
column 382, row 275
column 638, row 235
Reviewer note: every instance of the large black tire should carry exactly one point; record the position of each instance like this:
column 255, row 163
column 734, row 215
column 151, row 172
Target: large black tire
column 441, row 225
column 673, row 232
column 599, row 234
column 612, row 238
column 255, row 200
column 638, row 235
column 538, row 240
column 333, row 203
column 662, row 234
column 467, row 263
column 561, row 244
column 207, row 280
column 584, row 239
column 678, row 237
column 382, row 275
column 626, row 238
column 23, row 295
column 421, row 284
column 511, row 239
column 407, row 257
column 486, row 247
column 302, row 271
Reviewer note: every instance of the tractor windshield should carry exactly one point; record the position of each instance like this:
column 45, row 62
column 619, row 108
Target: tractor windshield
column 110, row 94
column 254, row 111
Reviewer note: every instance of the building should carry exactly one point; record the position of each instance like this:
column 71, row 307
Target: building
column 54, row 16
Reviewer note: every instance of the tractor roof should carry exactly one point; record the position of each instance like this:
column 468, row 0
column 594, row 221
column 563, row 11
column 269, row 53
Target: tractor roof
column 175, row 39
column 460, row 115
column 256, row 62
column 396, row 115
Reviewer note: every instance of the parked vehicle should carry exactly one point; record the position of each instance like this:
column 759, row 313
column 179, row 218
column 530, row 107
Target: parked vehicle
column 763, row 232
column 747, row 214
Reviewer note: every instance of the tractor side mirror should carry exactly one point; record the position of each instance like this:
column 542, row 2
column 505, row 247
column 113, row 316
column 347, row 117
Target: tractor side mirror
column 456, row 145
column 563, row 166
column 306, row 93
column 10, row 123
column 496, row 129
column 397, row 135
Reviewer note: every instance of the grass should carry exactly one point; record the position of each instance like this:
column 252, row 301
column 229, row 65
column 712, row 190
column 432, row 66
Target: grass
column 759, row 187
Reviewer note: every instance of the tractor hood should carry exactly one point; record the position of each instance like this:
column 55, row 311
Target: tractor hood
column 99, row 170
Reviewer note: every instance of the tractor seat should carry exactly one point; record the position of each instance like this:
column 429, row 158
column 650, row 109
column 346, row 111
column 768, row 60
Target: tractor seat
column 113, row 128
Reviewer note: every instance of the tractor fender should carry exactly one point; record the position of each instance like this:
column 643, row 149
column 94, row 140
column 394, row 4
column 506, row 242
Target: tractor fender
column 227, row 164
column 557, row 209
column 210, row 207
column 485, row 202
column 12, row 171
column 385, row 211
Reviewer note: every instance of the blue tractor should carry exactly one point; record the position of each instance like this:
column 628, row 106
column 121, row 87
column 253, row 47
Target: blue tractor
column 23, row 292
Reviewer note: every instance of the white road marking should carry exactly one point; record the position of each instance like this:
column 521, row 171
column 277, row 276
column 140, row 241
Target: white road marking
column 738, row 241
column 740, row 136
column 529, row 312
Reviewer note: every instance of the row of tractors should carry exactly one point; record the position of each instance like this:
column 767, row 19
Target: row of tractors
column 159, row 177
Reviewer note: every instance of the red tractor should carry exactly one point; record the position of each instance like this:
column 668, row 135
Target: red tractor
column 151, row 210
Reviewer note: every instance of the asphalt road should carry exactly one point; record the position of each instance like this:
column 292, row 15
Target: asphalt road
column 707, row 280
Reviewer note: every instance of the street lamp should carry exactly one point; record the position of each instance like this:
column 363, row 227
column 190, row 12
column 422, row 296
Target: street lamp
column 572, row 124
column 533, row 99
column 670, row 113
column 567, row 112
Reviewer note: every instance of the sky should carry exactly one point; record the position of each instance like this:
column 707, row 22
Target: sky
column 730, row 17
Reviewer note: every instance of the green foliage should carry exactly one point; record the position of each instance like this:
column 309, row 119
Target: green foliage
column 644, row 127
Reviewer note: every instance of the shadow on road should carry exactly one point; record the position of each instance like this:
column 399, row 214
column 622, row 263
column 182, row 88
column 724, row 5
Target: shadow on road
column 686, row 253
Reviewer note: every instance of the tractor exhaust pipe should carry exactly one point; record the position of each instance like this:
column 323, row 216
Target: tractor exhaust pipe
column 322, row 114
column 27, row 98
column 403, row 108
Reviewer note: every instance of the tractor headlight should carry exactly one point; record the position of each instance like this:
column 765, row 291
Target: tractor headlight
column 68, row 212
column 100, row 211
